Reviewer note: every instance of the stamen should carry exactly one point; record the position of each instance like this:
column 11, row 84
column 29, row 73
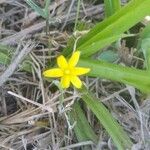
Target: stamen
column 67, row 72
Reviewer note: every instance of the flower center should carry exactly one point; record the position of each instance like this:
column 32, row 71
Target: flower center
column 67, row 72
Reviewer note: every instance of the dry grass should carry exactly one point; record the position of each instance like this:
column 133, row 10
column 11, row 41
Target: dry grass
column 31, row 113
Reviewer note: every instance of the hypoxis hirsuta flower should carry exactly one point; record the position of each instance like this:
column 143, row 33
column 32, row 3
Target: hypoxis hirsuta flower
column 67, row 71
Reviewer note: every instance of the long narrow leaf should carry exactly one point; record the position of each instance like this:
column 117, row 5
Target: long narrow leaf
column 135, row 77
column 4, row 59
column 144, row 45
column 111, row 7
column 39, row 10
column 47, row 3
column 116, row 132
column 114, row 26
column 82, row 128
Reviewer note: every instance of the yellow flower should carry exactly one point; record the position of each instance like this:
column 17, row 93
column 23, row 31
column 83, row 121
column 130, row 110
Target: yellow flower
column 67, row 71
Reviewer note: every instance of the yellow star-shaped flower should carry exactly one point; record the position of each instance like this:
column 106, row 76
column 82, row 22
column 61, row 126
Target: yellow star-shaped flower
column 67, row 71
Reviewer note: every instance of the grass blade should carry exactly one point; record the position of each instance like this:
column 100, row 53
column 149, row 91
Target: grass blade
column 111, row 7
column 77, row 15
column 47, row 3
column 135, row 77
column 144, row 45
column 5, row 54
column 116, row 132
column 111, row 28
column 4, row 59
column 35, row 7
column 82, row 128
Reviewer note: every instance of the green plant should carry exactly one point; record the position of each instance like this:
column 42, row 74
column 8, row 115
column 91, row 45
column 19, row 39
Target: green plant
column 119, row 20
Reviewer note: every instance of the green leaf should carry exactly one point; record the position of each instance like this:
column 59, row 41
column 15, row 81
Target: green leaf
column 35, row 7
column 5, row 54
column 144, row 45
column 111, row 28
column 111, row 6
column 82, row 128
column 135, row 77
column 77, row 15
column 6, row 49
column 26, row 66
column 4, row 59
column 92, row 48
column 109, row 56
column 46, row 8
column 116, row 132
column 145, row 32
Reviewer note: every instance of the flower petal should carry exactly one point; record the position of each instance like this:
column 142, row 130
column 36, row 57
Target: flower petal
column 56, row 72
column 76, row 81
column 74, row 59
column 61, row 61
column 80, row 70
column 65, row 81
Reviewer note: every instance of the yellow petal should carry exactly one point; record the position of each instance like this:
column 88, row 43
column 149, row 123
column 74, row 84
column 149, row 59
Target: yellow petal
column 80, row 70
column 56, row 72
column 65, row 82
column 76, row 81
column 61, row 61
column 74, row 59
